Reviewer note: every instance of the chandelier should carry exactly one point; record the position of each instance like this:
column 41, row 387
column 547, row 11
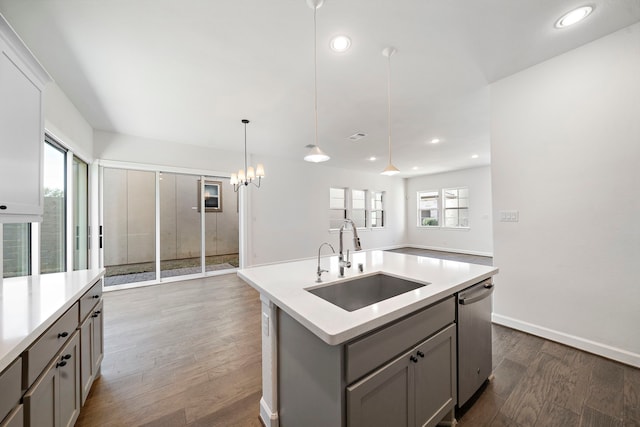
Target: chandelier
column 248, row 174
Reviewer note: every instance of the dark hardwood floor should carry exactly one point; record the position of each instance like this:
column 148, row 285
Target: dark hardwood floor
column 189, row 353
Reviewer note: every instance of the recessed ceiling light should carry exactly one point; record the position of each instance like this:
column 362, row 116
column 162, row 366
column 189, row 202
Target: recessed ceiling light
column 372, row 158
column 574, row 16
column 415, row 168
column 435, row 140
column 340, row 43
column 475, row 156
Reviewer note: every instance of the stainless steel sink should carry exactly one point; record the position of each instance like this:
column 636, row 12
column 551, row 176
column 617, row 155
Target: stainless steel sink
column 357, row 293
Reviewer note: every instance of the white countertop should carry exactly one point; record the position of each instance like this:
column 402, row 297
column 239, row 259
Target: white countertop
column 30, row 304
column 284, row 284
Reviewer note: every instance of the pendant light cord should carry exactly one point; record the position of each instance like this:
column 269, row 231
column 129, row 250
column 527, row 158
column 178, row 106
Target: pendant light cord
column 389, row 101
column 315, row 71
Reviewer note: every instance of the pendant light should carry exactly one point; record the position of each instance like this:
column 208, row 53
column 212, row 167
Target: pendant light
column 248, row 174
column 315, row 155
column 390, row 170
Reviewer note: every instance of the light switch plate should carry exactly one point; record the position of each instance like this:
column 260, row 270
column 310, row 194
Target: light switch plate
column 509, row 216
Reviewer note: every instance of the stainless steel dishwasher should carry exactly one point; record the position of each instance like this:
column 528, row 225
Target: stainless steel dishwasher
column 474, row 338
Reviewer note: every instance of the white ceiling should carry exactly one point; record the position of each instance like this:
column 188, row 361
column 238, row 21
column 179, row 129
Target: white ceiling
column 189, row 70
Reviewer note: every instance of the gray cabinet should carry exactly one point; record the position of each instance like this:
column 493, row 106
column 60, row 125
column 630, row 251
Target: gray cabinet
column 435, row 377
column 54, row 399
column 416, row 389
column 15, row 418
column 91, row 348
column 385, row 398
column 10, row 388
column 402, row 374
column 22, row 80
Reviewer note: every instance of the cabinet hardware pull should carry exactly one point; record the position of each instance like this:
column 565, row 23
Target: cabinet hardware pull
column 97, row 312
column 413, row 359
column 95, row 296
column 421, row 354
column 3, row 207
column 94, row 315
column 63, row 334
column 66, row 357
column 59, row 364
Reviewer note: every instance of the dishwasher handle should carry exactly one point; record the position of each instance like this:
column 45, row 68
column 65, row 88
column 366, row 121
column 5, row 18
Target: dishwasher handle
column 477, row 296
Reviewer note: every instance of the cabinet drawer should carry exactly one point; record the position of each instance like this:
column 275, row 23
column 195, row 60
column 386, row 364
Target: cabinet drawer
column 90, row 299
column 15, row 418
column 10, row 388
column 36, row 357
column 367, row 353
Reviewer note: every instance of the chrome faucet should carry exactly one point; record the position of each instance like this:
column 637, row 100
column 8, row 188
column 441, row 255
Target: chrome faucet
column 342, row 262
column 320, row 270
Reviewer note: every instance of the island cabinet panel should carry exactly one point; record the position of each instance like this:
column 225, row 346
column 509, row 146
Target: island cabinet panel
column 15, row 418
column 372, row 350
column 10, row 388
column 405, row 373
column 435, row 377
column 310, row 384
column 383, row 398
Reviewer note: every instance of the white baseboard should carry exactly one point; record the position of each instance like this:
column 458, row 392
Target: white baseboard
column 600, row 349
column 452, row 250
column 269, row 419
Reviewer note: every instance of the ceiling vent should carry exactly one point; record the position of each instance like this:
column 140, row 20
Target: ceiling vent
column 357, row 136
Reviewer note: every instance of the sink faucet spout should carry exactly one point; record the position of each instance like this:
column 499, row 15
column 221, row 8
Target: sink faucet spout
column 342, row 262
column 320, row 270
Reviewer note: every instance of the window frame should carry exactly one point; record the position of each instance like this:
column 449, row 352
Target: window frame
column 438, row 209
column 382, row 210
column 457, row 208
column 344, row 209
column 365, row 209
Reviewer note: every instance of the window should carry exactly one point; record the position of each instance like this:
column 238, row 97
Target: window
column 337, row 207
column 377, row 209
column 52, row 231
column 428, row 208
column 16, row 239
column 456, row 207
column 358, row 208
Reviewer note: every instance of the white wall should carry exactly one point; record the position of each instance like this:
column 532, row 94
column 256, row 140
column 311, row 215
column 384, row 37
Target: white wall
column 477, row 239
column 64, row 122
column 289, row 214
column 565, row 149
column 127, row 148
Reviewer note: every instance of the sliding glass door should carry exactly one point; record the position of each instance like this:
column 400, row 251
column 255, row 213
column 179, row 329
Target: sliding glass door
column 157, row 225
column 80, row 181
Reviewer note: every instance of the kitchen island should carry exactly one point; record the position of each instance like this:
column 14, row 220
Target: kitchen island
column 304, row 337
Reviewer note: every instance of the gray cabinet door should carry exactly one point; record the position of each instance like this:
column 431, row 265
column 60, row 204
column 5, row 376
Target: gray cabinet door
column 86, row 358
column 384, row 398
column 98, row 338
column 40, row 405
column 69, row 382
column 435, row 377
column 15, row 418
